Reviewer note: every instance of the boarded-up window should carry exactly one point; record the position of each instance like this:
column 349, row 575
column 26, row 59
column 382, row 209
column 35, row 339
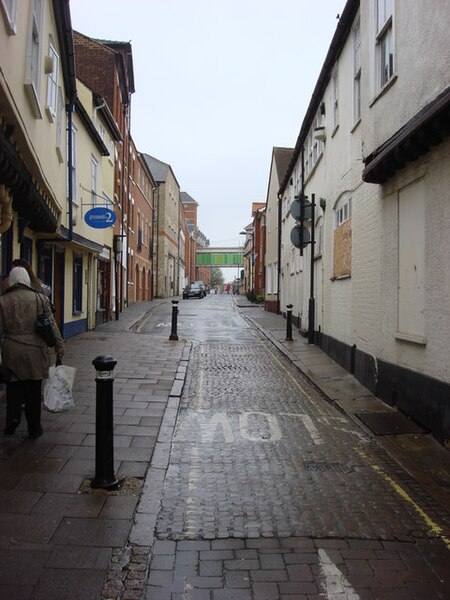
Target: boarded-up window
column 411, row 260
column 342, row 241
column 343, row 249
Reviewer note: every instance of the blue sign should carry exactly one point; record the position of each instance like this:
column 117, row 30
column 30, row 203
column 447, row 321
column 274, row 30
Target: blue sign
column 100, row 217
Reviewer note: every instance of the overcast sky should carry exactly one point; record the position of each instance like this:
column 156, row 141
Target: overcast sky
column 218, row 83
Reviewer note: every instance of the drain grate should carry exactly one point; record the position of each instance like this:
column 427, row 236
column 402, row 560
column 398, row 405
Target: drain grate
column 327, row 466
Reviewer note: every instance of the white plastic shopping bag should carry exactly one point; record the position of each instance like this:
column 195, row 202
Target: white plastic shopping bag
column 58, row 388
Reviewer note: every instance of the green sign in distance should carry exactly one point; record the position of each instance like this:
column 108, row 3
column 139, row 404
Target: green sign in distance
column 219, row 259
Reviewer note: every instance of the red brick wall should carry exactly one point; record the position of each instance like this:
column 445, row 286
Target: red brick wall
column 95, row 66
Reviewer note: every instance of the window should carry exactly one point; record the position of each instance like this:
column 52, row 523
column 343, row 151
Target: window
column 60, row 125
column 102, row 132
column 275, row 278
column 357, row 71
column 313, row 147
column 74, row 165
column 335, row 92
column 269, row 279
column 94, row 180
column 52, row 81
column 343, row 212
column 77, row 298
column 384, row 42
column 112, row 151
column 342, row 239
column 9, row 8
column 34, row 58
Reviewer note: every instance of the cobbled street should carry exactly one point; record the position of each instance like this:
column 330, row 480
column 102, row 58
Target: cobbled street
column 270, row 492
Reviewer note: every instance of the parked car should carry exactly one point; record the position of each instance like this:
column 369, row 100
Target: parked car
column 193, row 291
column 202, row 285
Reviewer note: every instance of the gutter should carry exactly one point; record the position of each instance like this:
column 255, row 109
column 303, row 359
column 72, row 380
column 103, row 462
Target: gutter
column 280, row 200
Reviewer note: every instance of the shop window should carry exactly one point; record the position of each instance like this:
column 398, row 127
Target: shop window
column 77, row 297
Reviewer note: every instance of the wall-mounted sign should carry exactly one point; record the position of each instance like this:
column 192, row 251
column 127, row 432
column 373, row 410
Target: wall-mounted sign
column 100, row 217
column 300, row 236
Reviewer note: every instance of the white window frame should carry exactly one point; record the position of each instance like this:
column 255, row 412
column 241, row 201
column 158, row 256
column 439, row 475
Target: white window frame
column 343, row 211
column 357, row 71
column 384, row 42
column 52, row 83
column 269, row 279
column 94, row 180
column 335, row 99
column 9, row 10
column 33, row 77
column 74, row 164
column 60, row 121
column 275, row 278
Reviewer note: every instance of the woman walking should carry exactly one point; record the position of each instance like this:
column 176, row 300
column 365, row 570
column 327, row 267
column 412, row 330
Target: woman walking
column 24, row 352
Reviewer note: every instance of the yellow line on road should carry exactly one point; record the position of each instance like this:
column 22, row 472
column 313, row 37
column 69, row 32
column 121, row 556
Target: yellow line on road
column 296, row 383
column 434, row 527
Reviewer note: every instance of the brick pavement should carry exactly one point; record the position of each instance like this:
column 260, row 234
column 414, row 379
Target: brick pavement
column 57, row 538
column 297, row 568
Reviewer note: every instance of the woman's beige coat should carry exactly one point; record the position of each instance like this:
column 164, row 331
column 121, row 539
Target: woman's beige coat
column 23, row 350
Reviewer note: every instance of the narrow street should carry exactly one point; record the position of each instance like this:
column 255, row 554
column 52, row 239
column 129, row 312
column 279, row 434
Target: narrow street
column 270, row 492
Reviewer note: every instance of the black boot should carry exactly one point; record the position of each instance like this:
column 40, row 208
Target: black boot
column 33, row 409
column 13, row 407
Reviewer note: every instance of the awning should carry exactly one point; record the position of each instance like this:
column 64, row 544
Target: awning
column 427, row 128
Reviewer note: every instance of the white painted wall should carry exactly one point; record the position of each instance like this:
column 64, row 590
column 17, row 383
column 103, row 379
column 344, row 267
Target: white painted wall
column 396, row 304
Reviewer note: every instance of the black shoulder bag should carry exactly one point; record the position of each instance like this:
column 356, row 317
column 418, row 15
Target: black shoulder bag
column 44, row 326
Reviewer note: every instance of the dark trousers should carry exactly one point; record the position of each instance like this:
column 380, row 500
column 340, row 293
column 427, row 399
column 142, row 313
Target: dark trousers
column 26, row 392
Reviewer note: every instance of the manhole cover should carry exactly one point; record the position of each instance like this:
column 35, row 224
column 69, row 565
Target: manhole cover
column 326, row 466
column 128, row 486
column 389, row 423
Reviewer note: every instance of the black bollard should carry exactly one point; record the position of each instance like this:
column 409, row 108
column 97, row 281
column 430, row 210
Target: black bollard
column 173, row 333
column 104, row 439
column 289, row 308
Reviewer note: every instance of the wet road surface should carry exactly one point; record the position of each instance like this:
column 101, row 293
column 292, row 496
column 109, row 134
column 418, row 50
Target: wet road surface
column 271, row 493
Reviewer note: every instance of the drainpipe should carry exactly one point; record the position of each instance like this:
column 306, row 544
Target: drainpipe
column 157, row 244
column 153, row 243
column 129, row 205
column 280, row 200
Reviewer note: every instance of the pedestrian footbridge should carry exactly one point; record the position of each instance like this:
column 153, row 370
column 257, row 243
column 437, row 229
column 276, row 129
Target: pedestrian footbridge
column 219, row 257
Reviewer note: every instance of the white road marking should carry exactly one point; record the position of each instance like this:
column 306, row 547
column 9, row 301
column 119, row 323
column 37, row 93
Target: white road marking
column 334, row 583
column 209, row 428
column 275, row 432
column 308, row 423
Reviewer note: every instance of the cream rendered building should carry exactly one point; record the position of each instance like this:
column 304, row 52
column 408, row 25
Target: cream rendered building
column 37, row 83
column 278, row 168
column 167, row 225
column 94, row 136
